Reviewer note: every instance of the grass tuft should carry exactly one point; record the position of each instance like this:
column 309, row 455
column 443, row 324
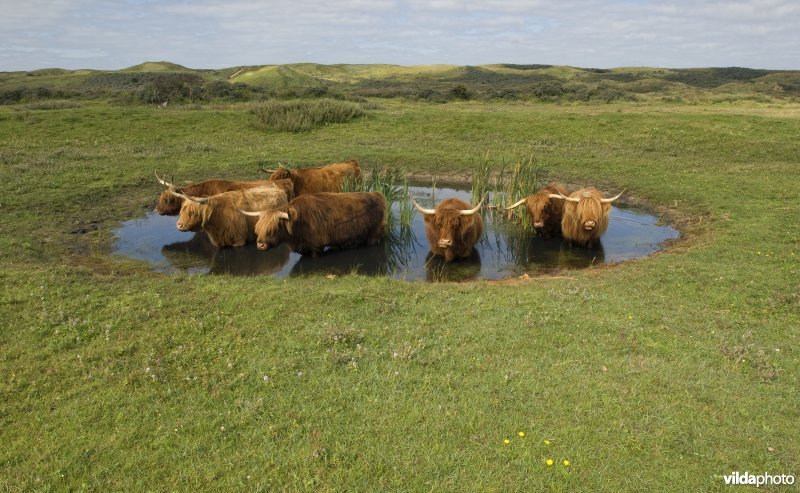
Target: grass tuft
column 303, row 115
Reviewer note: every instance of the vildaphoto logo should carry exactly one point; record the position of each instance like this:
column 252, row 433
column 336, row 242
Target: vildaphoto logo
column 758, row 480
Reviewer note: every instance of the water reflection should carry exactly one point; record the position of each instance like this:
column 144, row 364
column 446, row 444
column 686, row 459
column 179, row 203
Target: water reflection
column 199, row 255
column 462, row 269
column 368, row 260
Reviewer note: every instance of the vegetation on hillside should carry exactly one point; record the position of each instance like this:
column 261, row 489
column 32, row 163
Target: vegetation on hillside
column 150, row 83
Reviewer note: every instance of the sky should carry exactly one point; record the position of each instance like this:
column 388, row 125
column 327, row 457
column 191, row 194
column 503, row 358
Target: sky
column 116, row 34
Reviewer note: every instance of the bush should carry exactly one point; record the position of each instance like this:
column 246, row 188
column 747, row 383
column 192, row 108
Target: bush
column 58, row 104
column 303, row 115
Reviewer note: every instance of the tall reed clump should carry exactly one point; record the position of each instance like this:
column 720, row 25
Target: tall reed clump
column 514, row 180
column 303, row 115
column 481, row 179
column 393, row 184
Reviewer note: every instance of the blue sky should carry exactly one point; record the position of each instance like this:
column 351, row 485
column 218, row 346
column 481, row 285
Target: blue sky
column 225, row 33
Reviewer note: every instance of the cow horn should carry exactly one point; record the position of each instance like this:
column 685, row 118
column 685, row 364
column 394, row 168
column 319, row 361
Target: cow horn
column 267, row 171
column 283, row 215
column 473, row 211
column 516, row 204
column 249, row 213
column 162, row 181
column 612, row 199
column 199, row 200
column 561, row 196
column 427, row 212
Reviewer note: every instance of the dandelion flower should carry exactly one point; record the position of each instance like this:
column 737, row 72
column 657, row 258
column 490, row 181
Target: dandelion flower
column 521, row 434
column 506, row 441
column 547, row 442
column 549, row 462
column 566, row 462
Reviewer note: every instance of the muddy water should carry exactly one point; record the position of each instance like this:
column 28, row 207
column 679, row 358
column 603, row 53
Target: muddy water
column 505, row 249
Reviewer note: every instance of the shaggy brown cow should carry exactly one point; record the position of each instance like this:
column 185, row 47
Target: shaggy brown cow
column 545, row 212
column 585, row 216
column 218, row 216
column 311, row 222
column 169, row 204
column 452, row 228
column 323, row 179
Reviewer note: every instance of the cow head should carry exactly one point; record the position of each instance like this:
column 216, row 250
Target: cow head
column 590, row 208
column 446, row 221
column 194, row 212
column 280, row 173
column 168, row 203
column 271, row 229
column 536, row 205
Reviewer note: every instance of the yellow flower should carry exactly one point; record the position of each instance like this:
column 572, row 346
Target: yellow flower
column 566, row 462
column 521, row 434
column 547, row 442
column 549, row 462
column 506, row 441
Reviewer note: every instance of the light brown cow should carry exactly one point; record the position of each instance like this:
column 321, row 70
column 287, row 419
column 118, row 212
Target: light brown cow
column 169, row 204
column 585, row 217
column 545, row 212
column 219, row 217
column 322, row 179
column 452, row 228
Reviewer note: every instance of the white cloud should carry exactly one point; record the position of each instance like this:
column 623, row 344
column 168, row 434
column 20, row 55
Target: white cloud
column 206, row 33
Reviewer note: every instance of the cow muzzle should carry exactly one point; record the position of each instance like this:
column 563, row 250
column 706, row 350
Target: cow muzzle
column 445, row 243
column 538, row 224
column 181, row 227
column 589, row 225
column 261, row 245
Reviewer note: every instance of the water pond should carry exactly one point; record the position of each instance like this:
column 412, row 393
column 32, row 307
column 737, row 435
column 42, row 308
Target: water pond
column 505, row 250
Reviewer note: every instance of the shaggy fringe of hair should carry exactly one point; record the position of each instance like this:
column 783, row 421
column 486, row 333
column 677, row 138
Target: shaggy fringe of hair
column 575, row 214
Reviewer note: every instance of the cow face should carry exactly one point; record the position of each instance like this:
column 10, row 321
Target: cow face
column 168, row 204
column 446, row 223
column 191, row 216
column 590, row 212
column 270, row 232
column 452, row 228
column 536, row 205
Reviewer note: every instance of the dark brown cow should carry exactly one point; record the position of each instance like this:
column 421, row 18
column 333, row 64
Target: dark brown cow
column 545, row 211
column 311, row 222
column 452, row 228
column 219, row 217
column 323, row 179
column 585, row 217
column 169, row 204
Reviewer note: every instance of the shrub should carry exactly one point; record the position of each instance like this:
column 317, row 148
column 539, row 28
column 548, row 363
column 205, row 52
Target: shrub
column 58, row 104
column 303, row 115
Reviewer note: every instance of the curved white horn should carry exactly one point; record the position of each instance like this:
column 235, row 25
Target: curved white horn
column 516, row 204
column 199, row 200
column 162, row 181
column 428, row 212
column 473, row 211
column 561, row 196
column 249, row 213
column 284, row 215
column 612, row 199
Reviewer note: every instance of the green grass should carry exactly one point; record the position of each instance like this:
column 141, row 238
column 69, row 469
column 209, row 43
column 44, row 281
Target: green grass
column 660, row 374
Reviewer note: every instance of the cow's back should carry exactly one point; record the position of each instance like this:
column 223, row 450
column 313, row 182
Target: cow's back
column 337, row 219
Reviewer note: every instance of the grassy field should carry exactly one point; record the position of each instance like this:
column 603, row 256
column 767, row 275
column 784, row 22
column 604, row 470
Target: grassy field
column 660, row 374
